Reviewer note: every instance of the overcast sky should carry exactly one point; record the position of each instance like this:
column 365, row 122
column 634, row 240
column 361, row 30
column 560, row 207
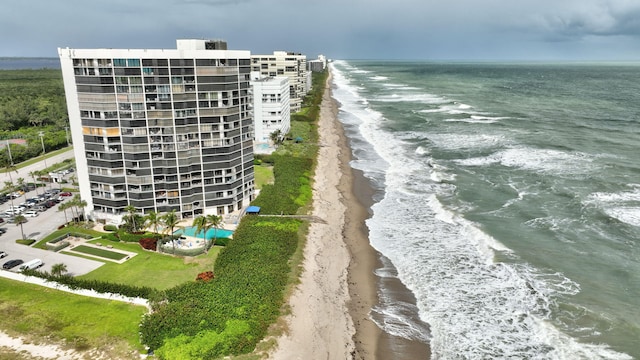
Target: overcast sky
column 340, row 29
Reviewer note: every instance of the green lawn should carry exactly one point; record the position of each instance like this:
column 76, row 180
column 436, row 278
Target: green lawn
column 152, row 269
column 40, row 313
column 113, row 255
column 263, row 175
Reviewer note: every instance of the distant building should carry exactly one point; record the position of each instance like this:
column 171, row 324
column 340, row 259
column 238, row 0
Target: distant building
column 292, row 65
column 317, row 65
column 161, row 129
column 271, row 108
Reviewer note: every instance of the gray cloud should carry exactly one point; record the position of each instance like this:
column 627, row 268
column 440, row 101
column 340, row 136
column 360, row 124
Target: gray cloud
column 414, row 29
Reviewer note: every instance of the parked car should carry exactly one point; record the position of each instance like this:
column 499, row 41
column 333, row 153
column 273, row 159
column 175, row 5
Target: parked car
column 3, row 254
column 31, row 265
column 3, row 230
column 11, row 264
column 30, row 213
column 65, row 193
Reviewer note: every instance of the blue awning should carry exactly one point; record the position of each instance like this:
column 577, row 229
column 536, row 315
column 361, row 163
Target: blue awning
column 253, row 209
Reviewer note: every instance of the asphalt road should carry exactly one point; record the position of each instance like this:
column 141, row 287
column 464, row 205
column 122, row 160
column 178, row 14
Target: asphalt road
column 39, row 227
column 24, row 172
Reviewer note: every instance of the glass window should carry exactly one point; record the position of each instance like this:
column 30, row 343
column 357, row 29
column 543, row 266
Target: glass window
column 133, row 62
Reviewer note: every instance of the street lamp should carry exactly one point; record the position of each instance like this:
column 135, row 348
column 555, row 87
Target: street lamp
column 44, row 158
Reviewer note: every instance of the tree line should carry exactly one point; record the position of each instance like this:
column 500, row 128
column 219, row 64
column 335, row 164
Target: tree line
column 32, row 101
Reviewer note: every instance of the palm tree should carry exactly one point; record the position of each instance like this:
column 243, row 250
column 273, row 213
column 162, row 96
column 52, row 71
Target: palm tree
column 82, row 204
column 58, row 269
column 152, row 219
column 9, row 167
column 33, row 176
column 201, row 224
column 131, row 210
column 64, row 207
column 276, row 138
column 170, row 221
column 73, row 205
column 214, row 221
column 20, row 219
column 21, row 187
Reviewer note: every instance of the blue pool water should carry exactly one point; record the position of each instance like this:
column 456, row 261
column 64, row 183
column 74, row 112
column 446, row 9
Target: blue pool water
column 191, row 231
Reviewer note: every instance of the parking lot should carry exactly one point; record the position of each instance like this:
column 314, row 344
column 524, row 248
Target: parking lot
column 37, row 227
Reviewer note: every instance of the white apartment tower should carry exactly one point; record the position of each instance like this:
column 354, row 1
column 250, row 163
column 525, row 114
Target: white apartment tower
column 271, row 109
column 161, row 129
column 291, row 65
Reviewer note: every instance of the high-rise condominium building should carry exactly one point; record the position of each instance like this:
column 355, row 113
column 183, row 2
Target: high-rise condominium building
column 161, row 130
column 271, row 109
column 291, row 65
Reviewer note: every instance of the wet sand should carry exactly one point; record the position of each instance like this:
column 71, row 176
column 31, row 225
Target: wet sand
column 330, row 309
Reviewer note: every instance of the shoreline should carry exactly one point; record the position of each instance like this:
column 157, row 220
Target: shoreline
column 330, row 308
column 371, row 341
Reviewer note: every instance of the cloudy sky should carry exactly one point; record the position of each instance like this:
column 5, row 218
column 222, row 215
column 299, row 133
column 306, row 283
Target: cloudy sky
column 340, row 29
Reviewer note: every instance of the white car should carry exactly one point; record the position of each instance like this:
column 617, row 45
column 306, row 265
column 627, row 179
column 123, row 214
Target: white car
column 30, row 213
column 12, row 212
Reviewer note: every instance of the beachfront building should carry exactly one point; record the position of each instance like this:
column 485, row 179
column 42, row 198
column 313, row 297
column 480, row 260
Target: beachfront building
column 271, row 108
column 289, row 64
column 317, row 65
column 161, row 129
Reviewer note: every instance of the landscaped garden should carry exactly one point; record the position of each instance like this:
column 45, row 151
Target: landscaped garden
column 103, row 253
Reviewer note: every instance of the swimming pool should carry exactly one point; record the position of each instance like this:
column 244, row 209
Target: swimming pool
column 191, row 231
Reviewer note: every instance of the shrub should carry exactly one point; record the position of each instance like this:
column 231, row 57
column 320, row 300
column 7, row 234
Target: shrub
column 131, row 237
column 111, row 237
column 25, row 241
column 97, row 285
column 205, row 276
column 110, row 227
column 149, row 243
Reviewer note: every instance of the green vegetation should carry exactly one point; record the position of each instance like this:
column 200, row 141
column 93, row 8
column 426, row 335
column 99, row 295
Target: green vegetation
column 40, row 313
column 32, row 101
column 153, row 269
column 231, row 313
column 113, row 255
column 263, row 175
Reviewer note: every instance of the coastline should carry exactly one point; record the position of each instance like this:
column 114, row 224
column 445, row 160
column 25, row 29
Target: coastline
column 330, row 308
column 319, row 325
column 371, row 342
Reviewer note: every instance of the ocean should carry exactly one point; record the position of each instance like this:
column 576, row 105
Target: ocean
column 507, row 201
column 22, row 63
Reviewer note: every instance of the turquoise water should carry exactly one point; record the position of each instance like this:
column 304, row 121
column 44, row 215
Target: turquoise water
column 517, row 192
column 218, row 233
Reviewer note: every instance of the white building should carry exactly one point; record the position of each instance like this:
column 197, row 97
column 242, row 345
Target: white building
column 271, row 107
column 292, row 65
column 161, row 129
column 317, row 65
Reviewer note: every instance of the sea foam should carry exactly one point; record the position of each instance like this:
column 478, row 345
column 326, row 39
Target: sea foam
column 476, row 307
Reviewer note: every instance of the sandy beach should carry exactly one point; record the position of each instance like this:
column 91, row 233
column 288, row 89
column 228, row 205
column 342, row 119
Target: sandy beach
column 338, row 288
